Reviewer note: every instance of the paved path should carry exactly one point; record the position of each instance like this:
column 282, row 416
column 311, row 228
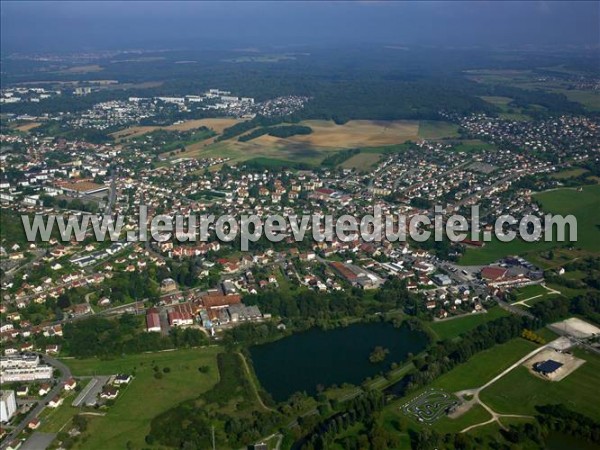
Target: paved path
column 476, row 391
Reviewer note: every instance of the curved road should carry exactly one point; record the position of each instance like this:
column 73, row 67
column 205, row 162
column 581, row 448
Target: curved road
column 476, row 391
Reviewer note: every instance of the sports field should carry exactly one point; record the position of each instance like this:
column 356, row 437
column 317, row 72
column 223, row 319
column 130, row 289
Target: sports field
column 146, row 396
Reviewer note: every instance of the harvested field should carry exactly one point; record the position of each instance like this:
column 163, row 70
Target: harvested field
column 83, row 69
column 355, row 133
column 27, row 126
column 362, row 161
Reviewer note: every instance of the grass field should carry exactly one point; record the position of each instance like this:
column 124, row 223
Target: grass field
column 429, row 129
column 54, row 420
column 530, row 291
column 569, row 173
column 146, row 397
column 472, row 146
column 507, row 111
column 449, row 329
column 584, row 205
column 217, row 124
column 361, row 161
column 495, row 249
column 589, row 99
column 475, row 372
column 519, row 391
column 526, row 79
column 483, row 366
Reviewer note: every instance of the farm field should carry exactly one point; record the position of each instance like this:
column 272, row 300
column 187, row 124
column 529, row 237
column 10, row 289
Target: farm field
column 519, row 391
column 216, row 124
column 589, row 99
column 450, row 329
column 325, row 138
column 584, row 205
column 355, row 133
column 569, row 173
column 25, row 127
column 146, row 397
column 361, row 161
column 429, row 129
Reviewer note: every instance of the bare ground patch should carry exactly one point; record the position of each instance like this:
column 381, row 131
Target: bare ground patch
column 569, row 364
column 27, row 126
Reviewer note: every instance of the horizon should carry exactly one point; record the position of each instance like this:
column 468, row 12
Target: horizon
column 55, row 26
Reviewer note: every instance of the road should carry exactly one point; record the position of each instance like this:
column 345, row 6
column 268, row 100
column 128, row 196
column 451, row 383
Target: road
column 35, row 411
column 476, row 391
column 112, row 195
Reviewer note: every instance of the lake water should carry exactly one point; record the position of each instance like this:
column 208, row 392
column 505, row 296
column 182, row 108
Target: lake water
column 326, row 357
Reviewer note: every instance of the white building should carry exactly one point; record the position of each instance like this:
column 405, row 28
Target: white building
column 22, row 374
column 8, row 405
column 19, row 361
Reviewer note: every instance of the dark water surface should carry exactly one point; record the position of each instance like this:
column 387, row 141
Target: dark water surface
column 326, row 357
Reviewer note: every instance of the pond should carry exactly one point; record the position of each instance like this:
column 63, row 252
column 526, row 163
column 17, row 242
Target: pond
column 315, row 357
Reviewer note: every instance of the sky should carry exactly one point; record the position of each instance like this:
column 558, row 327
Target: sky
column 97, row 25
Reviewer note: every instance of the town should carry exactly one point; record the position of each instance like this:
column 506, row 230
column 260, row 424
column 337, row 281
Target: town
column 140, row 337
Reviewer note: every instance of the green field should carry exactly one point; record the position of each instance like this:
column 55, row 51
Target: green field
column 54, row 420
column 146, row 397
column 507, row 111
column 495, row 250
column 584, row 205
column 478, row 370
column 429, row 129
column 449, row 329
column 569, row 173
column 483, row 366
column 530, row 291
column 519, row 391
column 472, row 146
column 589, row 99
